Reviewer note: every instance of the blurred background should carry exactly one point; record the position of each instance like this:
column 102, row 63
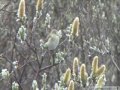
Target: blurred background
column 99, row 34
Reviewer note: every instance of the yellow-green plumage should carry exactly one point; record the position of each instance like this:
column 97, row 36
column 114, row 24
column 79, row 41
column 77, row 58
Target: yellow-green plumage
column 53, row 40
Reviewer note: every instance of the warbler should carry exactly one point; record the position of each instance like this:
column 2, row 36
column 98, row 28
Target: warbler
column 53, row 39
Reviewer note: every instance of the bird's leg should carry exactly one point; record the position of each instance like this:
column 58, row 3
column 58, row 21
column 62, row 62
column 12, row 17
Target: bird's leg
column 52, row 52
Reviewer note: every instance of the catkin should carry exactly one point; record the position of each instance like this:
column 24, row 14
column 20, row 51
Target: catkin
column 95, row 65
column 75, row 27
column 75, row 66
column 71, row 85
column 21, row 9
column 39, row 5
column 67, row 76
column 83, row 74
column 101, row 70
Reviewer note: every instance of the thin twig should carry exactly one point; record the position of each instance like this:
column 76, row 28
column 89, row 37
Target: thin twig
column 115, row 64
column 48, row 67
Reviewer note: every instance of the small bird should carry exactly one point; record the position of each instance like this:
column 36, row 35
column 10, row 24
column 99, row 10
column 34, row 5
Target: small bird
column 53, row 40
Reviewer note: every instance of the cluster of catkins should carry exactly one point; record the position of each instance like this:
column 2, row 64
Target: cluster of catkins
column 78, row 76
column 21, row 35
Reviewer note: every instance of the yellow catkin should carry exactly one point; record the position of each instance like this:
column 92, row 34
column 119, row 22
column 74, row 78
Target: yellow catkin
column 39, row 5
column 83, row 73
column 95, row 65
column 75, row 27
column 71, row 85
column 67, row 76
column 75, row 66
column 101, row 70
column 21, row 9
column 100, row 82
